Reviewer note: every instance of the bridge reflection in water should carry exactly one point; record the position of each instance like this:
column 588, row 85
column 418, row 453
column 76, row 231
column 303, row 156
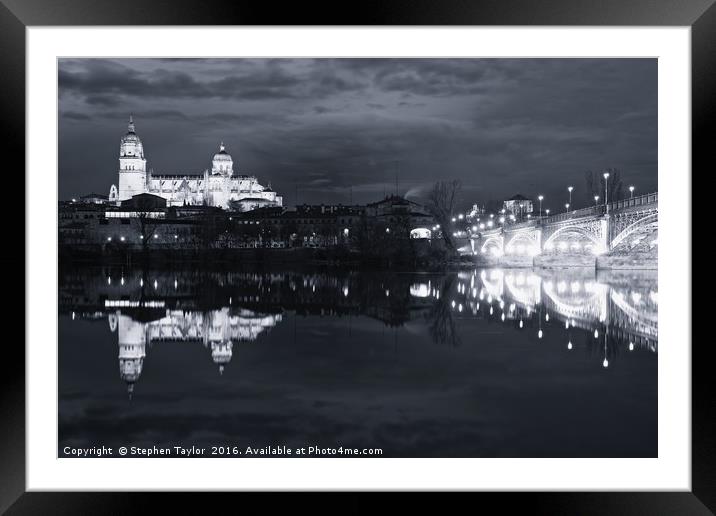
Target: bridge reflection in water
column 615, row 311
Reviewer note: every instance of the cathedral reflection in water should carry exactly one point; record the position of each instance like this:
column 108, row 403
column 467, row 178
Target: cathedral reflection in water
column 604, row 313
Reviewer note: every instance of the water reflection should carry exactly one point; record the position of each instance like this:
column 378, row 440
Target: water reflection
column 602, row 314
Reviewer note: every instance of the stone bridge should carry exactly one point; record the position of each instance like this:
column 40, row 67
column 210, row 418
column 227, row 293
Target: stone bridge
column 621, row 227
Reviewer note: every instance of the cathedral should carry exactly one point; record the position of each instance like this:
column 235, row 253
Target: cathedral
column 216, row 187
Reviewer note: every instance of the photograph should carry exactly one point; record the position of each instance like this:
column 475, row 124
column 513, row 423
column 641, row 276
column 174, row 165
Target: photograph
column 294, row 257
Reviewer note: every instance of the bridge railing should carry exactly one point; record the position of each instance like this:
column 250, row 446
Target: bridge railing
column 640, row 200
column 520, row 225
column 575, row 214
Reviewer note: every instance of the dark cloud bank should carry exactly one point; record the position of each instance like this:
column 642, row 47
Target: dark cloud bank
column 319, row 128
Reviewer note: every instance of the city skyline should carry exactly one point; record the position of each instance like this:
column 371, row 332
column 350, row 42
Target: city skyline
column 342, row 130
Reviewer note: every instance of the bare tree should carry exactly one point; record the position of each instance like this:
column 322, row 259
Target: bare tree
column 441, row 204
column 145, row 208
column 147, row 224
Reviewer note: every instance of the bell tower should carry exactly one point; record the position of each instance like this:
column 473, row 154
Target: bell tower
column 132, row 165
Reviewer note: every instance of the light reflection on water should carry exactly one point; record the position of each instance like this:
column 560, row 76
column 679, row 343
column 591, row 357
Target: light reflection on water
column 349, row 340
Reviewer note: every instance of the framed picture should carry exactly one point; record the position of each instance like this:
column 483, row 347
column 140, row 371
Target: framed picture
column 415, row 248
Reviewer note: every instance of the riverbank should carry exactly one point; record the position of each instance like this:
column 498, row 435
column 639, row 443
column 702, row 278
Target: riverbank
column 346, row 258
column 255, row 257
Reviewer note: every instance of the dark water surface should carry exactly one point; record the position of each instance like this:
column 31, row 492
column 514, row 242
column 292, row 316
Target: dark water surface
column 513, row 363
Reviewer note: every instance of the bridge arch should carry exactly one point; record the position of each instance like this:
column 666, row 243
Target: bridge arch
column 634, row 226
column 523, row 242
column 494, row 244
column 599, row 245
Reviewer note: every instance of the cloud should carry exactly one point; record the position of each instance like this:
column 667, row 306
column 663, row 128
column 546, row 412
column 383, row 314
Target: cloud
column 498, row 125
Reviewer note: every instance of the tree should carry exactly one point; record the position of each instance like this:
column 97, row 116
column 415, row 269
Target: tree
column 441, row 204
column 145, row 210
column 596, row 184
column 147, row 224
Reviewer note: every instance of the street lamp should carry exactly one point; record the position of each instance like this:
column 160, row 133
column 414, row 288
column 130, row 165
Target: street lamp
column 547, row 211
column 569, row 189
column 540, row 204
column 566, row 206
column 631, row 192
column 606, row 188
column 596, row 200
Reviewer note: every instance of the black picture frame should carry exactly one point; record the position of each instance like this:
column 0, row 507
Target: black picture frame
column 17, row 15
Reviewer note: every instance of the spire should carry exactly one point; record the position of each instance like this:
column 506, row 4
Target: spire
column 130, row 127
column 221, row 147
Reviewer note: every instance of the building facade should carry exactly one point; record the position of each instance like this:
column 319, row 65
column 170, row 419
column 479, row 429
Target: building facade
column 519, row 206
column 218, row 187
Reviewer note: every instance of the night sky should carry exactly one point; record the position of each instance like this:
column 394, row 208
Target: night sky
column 317, row 127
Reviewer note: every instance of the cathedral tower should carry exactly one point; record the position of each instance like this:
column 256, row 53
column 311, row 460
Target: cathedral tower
column 132, row 165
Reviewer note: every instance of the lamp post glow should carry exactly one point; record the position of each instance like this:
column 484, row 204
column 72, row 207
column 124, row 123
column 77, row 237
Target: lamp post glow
column 547, row 211
column 569, row 189
column 596, row 200
column 540, row 198
column 566, row 206
column 631, row 192
column 606, row 189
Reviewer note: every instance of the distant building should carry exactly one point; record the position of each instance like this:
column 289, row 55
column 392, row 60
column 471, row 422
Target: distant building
column 144, row 202
column 219, row 187
column 147, row 221
column 519, row 206
column 475, row 213
column 94, row 198
column 325, row 225
column 144, row 221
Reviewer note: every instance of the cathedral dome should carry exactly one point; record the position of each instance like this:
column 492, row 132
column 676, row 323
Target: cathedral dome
column 222, row 155
column 222, row 162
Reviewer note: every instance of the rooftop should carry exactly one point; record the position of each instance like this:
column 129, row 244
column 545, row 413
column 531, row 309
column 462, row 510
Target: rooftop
column 518, row 197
